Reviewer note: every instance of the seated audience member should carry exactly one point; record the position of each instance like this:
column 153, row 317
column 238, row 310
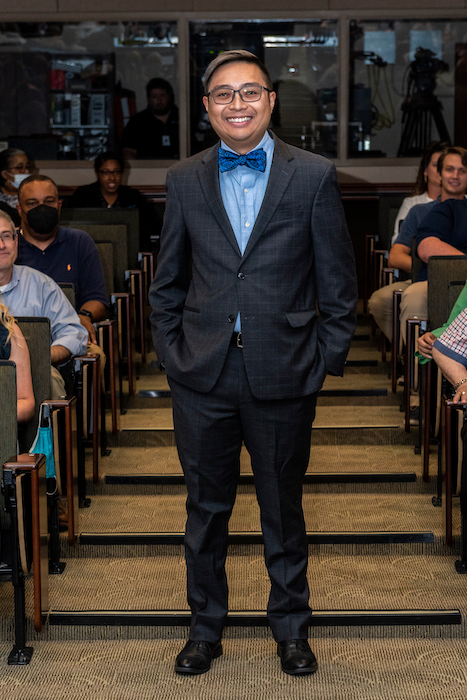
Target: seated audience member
column 425, row 342
column 14, row 168
column 28, row 292
column 427, row 186
column 427, row 190
column 13, row 347
column 443, row 231
column 153, row 133
column 450, row 354
column 109, row 193
column 64, row 254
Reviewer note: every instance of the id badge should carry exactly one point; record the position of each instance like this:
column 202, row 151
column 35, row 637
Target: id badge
column 166, row 140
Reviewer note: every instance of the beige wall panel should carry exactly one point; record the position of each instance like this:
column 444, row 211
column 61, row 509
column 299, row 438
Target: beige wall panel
column 258, row 5
column 73, row 174
column 27, row 6
column 396, row 5
column 125, row 6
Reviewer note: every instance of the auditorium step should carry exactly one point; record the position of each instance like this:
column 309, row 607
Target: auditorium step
column 358, row 517
column 257, row 618
column 248, row 479
column 372, row 467
column 159, row 420
column 365, row 589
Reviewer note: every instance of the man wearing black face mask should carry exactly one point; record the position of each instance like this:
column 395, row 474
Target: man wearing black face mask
column 66, row 255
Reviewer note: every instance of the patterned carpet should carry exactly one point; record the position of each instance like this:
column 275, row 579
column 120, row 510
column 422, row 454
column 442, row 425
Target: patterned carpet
column 349, row 669
column 353, row 434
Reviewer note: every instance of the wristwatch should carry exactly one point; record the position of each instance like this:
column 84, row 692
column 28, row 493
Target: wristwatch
column 85, row 312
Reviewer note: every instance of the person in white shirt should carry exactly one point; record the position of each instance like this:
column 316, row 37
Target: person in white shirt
column 427, row 189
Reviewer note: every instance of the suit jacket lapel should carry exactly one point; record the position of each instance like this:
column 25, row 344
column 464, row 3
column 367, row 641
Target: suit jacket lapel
column 208, row 173
column 282, row 169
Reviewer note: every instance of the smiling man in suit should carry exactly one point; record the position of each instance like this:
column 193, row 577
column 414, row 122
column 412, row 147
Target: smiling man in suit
column 253, row 303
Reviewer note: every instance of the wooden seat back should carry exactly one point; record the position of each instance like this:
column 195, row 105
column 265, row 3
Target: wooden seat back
column 117, row 236
column 8, row 424
column 106, row 254
column 36, row 331
column 69, row 291
column 24, row 523
column 442, row 271
column 388, row 208
column 81, row 218
column 416, row 262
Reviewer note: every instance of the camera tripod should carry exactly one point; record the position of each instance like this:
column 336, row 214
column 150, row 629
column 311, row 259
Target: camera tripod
column 420, row 110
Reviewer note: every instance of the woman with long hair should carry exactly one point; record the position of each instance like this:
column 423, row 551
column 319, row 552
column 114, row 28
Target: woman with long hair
column 12, row 343
column 427, row 185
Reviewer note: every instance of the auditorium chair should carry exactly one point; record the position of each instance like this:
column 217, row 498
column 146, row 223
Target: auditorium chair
column 442, row 270
column 118, row 230
column 453, row 420
column 36, row 332
column 23, row 518
column 396, row 330
column 85, row 383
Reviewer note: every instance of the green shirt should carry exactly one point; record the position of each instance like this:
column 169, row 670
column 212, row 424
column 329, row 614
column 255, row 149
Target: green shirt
column 459, row 306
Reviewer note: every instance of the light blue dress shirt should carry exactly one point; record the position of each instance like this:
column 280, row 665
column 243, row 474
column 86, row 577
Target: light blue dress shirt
column 31, row 293
column 242, row 192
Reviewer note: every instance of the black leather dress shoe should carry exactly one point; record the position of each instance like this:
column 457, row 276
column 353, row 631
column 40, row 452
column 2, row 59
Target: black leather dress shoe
column 196, row 656
column 296, row 657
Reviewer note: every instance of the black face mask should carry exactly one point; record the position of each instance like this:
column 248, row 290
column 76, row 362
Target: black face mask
column 43, row 219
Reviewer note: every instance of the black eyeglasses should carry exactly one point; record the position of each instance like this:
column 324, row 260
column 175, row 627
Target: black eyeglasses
column 7, row 236
column 248, row 93
column 21, row 168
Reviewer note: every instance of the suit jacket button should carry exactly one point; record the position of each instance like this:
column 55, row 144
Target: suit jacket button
column 231, row 319
column 241, row 276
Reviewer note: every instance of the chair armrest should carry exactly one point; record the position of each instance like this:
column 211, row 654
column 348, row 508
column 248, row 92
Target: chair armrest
column 66, row 404
column 34, row 465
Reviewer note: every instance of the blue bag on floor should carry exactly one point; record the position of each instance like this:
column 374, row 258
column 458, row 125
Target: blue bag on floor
column 44, row 441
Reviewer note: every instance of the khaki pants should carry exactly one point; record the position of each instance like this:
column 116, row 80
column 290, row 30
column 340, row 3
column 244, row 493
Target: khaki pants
column 414, row 304
column 380, row 305
column 57, row 381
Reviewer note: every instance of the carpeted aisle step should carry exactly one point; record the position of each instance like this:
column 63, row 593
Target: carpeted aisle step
column 371, row 590
column 330, row 517
column 141, row 468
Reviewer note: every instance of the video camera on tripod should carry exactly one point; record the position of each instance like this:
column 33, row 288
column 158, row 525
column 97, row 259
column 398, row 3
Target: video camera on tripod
column 420, row 105
column 424, row 68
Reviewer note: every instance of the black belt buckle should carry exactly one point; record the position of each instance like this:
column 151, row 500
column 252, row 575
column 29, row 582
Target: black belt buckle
column 238, row 341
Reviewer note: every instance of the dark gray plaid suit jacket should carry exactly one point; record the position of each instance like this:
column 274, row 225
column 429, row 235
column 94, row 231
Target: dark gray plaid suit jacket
column 295, row 285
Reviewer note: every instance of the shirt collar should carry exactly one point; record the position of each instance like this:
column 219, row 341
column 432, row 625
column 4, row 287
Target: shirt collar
column 59, row 238
column 14, row 280
column 267, row 143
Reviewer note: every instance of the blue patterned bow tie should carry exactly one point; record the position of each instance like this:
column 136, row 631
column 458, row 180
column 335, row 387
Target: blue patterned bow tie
column 255, row 160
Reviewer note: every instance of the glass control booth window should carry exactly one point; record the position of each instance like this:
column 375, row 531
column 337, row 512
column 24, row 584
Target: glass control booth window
column 73, row 88
column 407, row 85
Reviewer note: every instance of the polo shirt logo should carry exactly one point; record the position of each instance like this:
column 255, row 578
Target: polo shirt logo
column 68, row 267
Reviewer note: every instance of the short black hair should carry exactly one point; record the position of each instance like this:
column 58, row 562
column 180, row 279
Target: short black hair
column 108, row 155
column 160, row 84
column 235, row 56
column 36, row 178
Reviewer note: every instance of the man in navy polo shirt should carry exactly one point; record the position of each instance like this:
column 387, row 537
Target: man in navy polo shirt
column 65, row 254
